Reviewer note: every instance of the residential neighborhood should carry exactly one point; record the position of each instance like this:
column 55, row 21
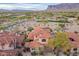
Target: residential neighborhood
column 40, row 33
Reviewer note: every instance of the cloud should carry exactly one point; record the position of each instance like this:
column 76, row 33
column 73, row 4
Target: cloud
column 24, row 6
column 6, row 6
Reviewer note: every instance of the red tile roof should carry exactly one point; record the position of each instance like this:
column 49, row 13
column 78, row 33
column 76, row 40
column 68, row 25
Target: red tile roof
column 74, row 36
column 39, row 32
column 8, row 37
column 8, row 53
column 34, row 44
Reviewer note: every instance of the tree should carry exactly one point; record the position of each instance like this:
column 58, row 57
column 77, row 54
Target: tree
column 26, row 40
column 2, row 27
column 61, row 25
column 30, row 29
column 50, row 43
column 61, row 41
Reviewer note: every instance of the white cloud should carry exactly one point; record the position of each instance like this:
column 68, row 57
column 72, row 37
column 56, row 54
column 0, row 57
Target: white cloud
column 23, row 6
column 4, row 6
column 39, row 1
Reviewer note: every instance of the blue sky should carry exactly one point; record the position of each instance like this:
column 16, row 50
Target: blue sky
column 24, row 6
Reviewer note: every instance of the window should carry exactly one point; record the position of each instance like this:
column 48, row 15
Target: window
column 33, row 48
column 43, row 40
column 76, row 32
column 75, row 49
column 30, row 40
column 23, row 44
column 28, row 49
column 71, row 39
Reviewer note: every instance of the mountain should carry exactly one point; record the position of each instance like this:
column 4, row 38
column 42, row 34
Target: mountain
column 3, row 10
column 14, row 10
column 64, row 7
column 17, row 10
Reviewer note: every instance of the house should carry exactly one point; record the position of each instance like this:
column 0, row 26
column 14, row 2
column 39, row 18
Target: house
column 19, row 39
column 34, row 47
column 40, row 35
column 8, row 53
column 74, row 39
column 8, row 40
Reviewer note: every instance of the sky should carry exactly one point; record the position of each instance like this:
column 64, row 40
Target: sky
column 25, row 6
column 39, row 1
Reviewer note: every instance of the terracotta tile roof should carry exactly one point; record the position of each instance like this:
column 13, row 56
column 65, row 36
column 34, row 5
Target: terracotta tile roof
column 75, row 37
column 34, row 44
column 39, row 32
column 8, row 37
column 8, row 53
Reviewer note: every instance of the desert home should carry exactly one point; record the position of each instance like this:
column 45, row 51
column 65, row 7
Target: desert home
column 40, row 35
column 8, row 42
